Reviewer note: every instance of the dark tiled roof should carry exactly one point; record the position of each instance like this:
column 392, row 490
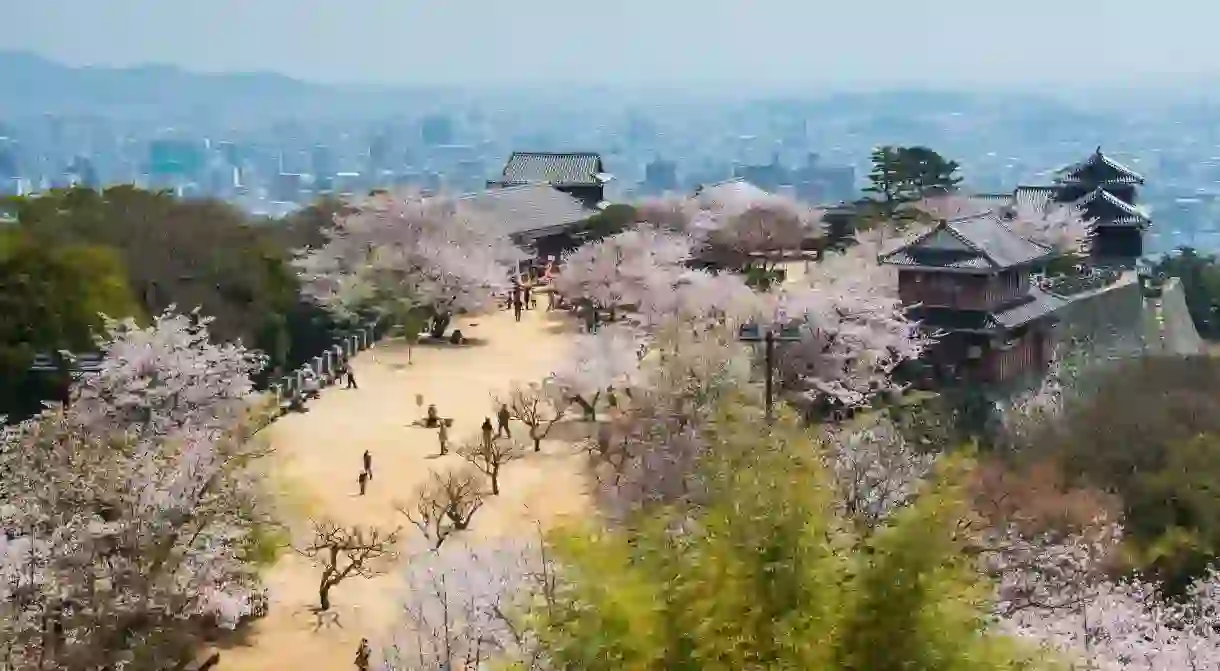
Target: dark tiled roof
column 1039, row 304
column 556, row 169
column 529, row 208
column 1099, row 168
column 982, row 242
column 1110, row 210
column 1034, row 197
column 1036, row 305
column 952, row 261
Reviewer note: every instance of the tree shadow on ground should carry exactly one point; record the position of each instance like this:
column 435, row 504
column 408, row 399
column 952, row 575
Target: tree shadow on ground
column 444, row 343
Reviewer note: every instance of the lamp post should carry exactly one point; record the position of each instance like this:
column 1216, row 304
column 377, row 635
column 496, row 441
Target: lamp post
column 753, row 333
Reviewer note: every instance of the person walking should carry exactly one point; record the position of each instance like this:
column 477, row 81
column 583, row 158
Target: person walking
column 364, row 481
column 433, row 418
column 502, row 418
column 351, row 377
column 363, row 654
column 368, row 464
column 526, row 290
column 517, row 303
column 442, row 435
column 486, row 432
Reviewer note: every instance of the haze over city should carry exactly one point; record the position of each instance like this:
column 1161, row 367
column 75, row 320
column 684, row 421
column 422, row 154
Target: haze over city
column 762, row 43
column 716, row 335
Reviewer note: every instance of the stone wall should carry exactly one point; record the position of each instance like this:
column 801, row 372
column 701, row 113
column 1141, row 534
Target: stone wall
column 1178, row 334
column 1106, row 325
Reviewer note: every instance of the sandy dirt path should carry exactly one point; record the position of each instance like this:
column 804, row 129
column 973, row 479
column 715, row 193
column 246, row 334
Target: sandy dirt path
column 317, row 460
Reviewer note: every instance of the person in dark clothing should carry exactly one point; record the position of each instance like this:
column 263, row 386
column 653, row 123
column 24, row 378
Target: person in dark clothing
column 442, row 435
column 517, row 303
column 351, row 378
column 431, row 420
column 486, row 431
column 368, row 464
column 363, row 480
column 526, row 292
column 502, row 418
column 363, row 654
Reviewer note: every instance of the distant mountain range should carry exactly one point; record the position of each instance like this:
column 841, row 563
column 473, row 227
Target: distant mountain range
column 31, row 84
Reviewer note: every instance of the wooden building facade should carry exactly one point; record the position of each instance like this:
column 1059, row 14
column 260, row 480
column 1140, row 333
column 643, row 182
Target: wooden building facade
column 968, row 280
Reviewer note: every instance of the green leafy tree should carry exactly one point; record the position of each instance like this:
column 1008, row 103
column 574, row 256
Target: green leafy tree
column 766, row 575
column 613, row 220
column 51, row 299
column 194, row 253
column 1200, row 276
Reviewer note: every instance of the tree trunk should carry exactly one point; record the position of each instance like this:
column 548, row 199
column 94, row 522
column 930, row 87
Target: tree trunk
column 495, row 480
column 324, row 596
column 589, row 408
column 440, row 322
column 537, row 443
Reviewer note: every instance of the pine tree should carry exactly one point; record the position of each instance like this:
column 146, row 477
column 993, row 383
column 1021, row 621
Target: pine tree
column 889, row 183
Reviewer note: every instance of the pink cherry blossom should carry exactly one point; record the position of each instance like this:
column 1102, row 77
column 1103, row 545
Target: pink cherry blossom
column 396, row 252
column 131, row 507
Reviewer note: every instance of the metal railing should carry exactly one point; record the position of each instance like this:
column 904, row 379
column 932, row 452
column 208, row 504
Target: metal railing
column 326, row 366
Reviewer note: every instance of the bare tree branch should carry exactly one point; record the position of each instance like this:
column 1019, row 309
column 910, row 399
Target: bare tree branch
column 344, row 552
column 446, row 503
column 490, row 456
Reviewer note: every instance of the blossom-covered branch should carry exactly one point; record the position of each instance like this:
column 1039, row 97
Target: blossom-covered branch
column 394, row 254
column 127, row 515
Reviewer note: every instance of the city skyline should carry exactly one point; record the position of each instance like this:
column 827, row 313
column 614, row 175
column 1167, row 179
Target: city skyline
column 942, row 43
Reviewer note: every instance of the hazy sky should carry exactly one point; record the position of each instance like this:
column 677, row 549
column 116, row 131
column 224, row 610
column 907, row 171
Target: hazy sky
column 769, row 42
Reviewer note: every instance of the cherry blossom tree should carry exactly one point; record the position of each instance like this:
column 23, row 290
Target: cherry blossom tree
column 875, row 471
column 855, row 331
column 127, row 514
column 949, row 206
column 1129, row 624
column 624, row 269
column 600, row 363
column 698, row 299
column 1059, row 227
column 739, row 225
column 648, row 451
column 850, row 346
column 463, row 607
column 400, row 254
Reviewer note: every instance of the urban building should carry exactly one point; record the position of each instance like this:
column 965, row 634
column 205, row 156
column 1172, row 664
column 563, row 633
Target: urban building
column 173, row 162
column 436, row 130
column 660, row 176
